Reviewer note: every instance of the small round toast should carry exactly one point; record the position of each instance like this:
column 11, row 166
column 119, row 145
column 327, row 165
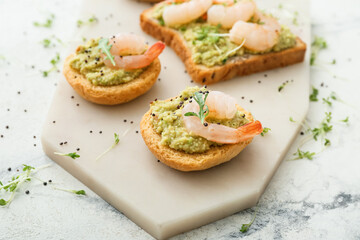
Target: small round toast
column 189, row 161
column 111, row 95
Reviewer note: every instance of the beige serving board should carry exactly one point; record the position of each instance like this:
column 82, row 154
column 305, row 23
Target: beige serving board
column 163, row 201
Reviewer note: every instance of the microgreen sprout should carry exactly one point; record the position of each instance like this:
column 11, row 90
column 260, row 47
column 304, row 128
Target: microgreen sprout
column 91, row 20
column 15, row 183
column 116, row 141
column 77, row 192
column 314, row 94
column 346, row 120
column 47, row 24
column 281, row 87
column 54, row 63
column 73, row 155
column 204, row 109
column 105, row 48
column 265, row 131
column 301, row 155
column 318, row 44
column 245, row 227
column 295, row 18
column 47, row 42
column 333, row 61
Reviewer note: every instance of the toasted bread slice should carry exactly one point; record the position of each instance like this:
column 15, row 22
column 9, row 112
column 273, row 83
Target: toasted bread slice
column 236, row 66
column 111, row 95
column 189, row 161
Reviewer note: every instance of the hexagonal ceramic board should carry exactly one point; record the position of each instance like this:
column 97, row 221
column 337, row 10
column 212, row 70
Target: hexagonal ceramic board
column 163, row 201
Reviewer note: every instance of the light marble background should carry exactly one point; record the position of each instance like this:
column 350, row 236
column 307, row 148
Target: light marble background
column 305, row 199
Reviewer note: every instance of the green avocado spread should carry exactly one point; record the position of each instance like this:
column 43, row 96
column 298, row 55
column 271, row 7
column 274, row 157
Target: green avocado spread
column 167, row 120
column 88, row 62
column 210, row 50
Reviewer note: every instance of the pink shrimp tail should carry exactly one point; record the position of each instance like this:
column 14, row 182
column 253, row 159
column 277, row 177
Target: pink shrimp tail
column 250, row 130
column 155, row 50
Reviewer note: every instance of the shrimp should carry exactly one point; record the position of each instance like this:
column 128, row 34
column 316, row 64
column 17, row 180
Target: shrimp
column 126, row 44
column 228, row 15
column 259, row 37
column 185, row 12
column 219, row 133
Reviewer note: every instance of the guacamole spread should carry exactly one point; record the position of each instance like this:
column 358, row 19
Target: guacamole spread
column 210, row 50
column 88, row 62
column 167, row 120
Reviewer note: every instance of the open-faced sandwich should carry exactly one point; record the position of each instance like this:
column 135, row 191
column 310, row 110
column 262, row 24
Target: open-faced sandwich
column 220, row 39
column 113, row 70
column 198, row 129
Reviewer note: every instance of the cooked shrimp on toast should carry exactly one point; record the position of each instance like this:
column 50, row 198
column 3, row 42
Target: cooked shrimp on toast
column 113, row 70
column 198, row 129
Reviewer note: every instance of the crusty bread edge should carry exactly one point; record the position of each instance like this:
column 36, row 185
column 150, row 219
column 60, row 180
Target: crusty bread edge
column 111, row 95
column 189, row 161
column 239, row 66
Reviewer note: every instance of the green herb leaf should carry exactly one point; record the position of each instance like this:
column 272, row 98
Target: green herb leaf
column 91, row 20
column 291, row 119
column 204, row 109
column 314, row 94
column 105, row 48
column 301, row 155
column 73, row 155
column 47, row 24
column 346, row 120
column 80, row 192
column 318, row 44
column 333, row 61
column 46, row 42
column 3, row 202
column 327, row 142
column 265, row 131
column 327, row 101
column 27, row 168
column 117, row 140
column 245, row 227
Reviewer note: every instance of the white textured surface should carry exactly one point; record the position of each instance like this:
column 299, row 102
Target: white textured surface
column 318, row 199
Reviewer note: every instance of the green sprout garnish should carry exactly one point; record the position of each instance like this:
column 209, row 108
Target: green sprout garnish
column 346, row 120
column 48, row 23
column 16, row 181
column 54, row 63
column 73, row 155
column 301, row 155
column 314, row 94
column 91, row 20
column 77, row 192
column 204, row 109
column 324, row 127
column 105, row 48
column 327, row 142
column 116, row 141
column 265, row 131
column 333, row 61
column 46, row 42
column 318, row 44
column 327, row 101
column 245, row 227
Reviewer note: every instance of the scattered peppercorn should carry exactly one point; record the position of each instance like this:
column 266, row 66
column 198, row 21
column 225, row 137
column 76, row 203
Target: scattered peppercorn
column 206, row 124
column 27, row 191
column 61, row 143
column 77, row 104
column 100, row 132
column 137, row 131
column 125, row 120
column 50, row 181
column 251, row 101
column 78, row 149
column 9, row 169
column 7, row 127
column 45, row 183
column 53, row 121
column 153, row 114
column 65, row 142
column 90, row 131
column 72, row 96
column 259, row 81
